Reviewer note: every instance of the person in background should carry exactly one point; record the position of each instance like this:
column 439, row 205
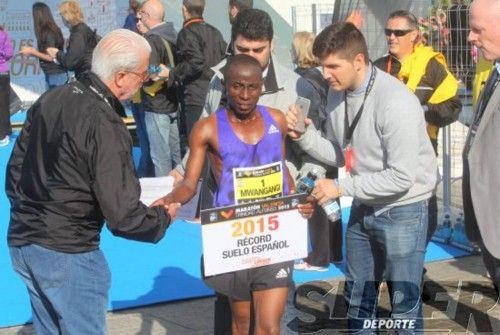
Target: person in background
column 131, row 19
column 48, row 34
column 160, row 100
column 199, row 47
column 70, row 172
column 423, row 70
column 82, row 40
column 325, row 236
column 481, row 176
column 233, row 8
column 6, row 53
column 236, row 6
column 393, row 173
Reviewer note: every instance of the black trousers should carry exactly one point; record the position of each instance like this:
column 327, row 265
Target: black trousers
column 191, row 114
column 222, row 315
column 325, row 238
column 433, row 217
column 5, row 128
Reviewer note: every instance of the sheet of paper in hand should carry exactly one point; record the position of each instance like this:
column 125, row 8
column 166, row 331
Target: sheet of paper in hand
column 155, row 188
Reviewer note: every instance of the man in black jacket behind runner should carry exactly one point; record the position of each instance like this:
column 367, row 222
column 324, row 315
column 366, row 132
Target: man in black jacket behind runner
column 199, row 47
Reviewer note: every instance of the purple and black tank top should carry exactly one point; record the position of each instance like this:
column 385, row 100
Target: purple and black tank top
column 250, row 172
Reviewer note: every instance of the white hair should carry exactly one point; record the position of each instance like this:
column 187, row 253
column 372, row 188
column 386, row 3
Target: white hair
column 120, row 49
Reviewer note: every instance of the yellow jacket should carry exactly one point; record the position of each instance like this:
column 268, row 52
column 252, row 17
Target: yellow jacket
column 413, row 69
column 483, row 69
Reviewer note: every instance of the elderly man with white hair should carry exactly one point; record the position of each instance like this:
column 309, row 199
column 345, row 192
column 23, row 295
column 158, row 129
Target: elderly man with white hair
column 71, row 169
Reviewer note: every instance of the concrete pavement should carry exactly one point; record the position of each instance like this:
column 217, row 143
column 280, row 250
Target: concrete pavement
column 462, row 300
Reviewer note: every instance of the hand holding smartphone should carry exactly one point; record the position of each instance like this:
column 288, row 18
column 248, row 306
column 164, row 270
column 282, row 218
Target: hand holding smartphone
column 302, row 105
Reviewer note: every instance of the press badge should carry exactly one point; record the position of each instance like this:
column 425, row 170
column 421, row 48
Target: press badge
column 258, row 183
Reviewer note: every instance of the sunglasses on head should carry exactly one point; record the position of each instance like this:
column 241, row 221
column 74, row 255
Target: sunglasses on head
column 397, row 32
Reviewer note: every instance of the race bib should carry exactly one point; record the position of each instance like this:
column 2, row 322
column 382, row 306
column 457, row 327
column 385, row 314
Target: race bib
column 258, row 183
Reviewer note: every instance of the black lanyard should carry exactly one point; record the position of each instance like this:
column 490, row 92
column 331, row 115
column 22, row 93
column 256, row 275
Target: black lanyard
column 349, row 130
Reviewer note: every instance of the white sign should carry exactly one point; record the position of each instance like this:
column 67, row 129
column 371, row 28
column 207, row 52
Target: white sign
column 252, row 235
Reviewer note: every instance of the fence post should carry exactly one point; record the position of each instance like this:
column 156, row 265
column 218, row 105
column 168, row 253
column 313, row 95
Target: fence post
column 446, row 169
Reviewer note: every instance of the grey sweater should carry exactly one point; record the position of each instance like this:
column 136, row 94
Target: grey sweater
column 394, row 163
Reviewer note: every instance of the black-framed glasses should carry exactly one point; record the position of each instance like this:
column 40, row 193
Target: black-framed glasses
column 397, row 32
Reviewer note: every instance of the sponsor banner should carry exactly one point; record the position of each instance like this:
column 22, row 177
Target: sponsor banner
column 252, row 235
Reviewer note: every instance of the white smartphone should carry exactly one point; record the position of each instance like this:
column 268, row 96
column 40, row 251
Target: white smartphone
column 302, row 105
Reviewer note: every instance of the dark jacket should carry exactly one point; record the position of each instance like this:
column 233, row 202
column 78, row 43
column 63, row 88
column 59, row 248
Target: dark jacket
column 71, row 168
column 164, row 100
column 50, row 40
column 78, row 55
column 314, row 87
column 199, row 47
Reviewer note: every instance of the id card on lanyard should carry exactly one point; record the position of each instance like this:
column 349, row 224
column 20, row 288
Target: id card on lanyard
column 349, row 128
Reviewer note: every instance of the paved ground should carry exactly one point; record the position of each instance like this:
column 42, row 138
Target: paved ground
column 461, row 299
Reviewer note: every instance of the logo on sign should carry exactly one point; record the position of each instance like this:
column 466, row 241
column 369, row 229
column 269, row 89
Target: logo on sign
column 227, row 214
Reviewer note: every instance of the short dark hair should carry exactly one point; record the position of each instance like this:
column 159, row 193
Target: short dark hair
column 253, row 24
column 241, row 4
column 194, row 7
column 239, row 60
column 409, row 17
column 340, row 38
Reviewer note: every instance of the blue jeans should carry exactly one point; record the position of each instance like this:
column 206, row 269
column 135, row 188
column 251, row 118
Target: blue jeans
column 146, row 167
column 56, row 79
column 68, row 292
column 389, row 246
column 164, row 142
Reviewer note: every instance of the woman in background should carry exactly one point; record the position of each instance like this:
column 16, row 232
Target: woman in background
column 325, row 236
column 82, row 40
column 48, row 34
column 6, row 53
